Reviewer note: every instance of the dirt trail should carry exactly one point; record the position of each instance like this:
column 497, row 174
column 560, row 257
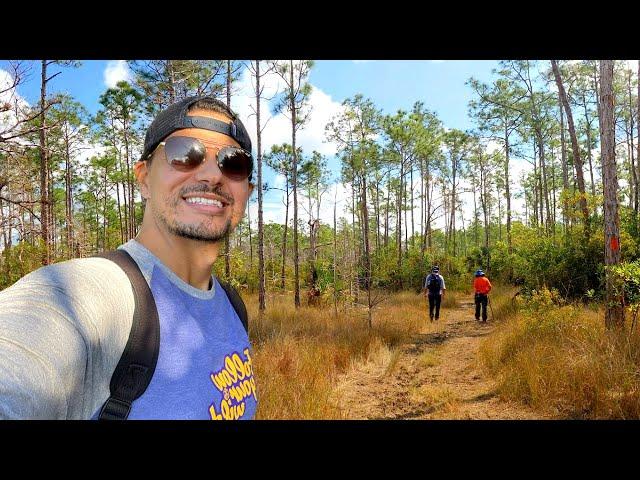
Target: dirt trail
column 434, row 376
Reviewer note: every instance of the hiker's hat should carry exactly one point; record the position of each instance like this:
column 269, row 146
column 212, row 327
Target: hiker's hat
column 479, row 273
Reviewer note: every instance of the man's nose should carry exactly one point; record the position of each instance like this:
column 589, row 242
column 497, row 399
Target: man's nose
column 209, row 171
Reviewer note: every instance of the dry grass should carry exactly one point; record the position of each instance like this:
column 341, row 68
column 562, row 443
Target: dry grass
column 433, row 397
column 560, row 359
column 430, row 358
column 299, row 354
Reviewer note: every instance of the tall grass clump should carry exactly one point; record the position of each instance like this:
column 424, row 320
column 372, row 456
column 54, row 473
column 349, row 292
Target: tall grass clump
column 298, row 355
column 558, row 358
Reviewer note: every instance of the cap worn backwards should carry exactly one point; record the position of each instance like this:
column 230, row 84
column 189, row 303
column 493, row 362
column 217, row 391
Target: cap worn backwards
column 175, row 117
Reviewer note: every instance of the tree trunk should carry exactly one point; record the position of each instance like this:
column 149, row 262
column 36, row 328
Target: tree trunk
column 2, row 223
column 261, row 279
column 638, row 127
column 399, row 222
column 506, row 186
column 126, row 189
column 129, row 184
column 227, row 245
column 475, row 212
column 452, row 224
column 335, row 250
column 104, row 212
column 367, row 258
column 631, row 149
column 574, row 145
column 484, row 201
column 499, row 214
column 423, row 243
column 284, row 236
column 406, row 223
column 614, row 315
column 429, row 192
column 544, row 186
column 376, row 206
column 295, row 192
column 131, row 227
column 553, row 199
column 44, row 171
column 588, row 121
column 68, row 199
column 413, row 231
column 596, row 89
column 535, row 184
column 386, row 213
column 565, row 169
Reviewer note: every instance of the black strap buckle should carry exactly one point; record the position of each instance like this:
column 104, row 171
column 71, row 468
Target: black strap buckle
column 114, row 409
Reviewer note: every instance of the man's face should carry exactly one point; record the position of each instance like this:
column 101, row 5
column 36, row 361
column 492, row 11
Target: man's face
column 181, row 202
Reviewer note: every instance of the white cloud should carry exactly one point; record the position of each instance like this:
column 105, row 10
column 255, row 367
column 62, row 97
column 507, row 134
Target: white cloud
column 493, row 147
column 116, row 71
column 90, row 150
column 12, row 98
column 278, row 181
column 277, row 128
column 6, row 81
column 274, row 209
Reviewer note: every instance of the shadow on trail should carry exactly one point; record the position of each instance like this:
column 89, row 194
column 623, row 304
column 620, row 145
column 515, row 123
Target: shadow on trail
column 413, row 415
column 480, row 398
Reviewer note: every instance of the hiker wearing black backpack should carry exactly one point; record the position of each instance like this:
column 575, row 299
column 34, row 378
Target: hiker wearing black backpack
column 434, row 288
column 146, row 332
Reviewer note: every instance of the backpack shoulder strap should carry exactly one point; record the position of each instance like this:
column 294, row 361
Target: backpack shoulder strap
column 138, row 361
column 237, row 302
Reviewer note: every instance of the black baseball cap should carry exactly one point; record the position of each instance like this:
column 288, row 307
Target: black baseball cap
column 175, row 117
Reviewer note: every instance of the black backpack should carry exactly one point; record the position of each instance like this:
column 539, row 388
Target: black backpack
column 434, row 284
column 137, row 364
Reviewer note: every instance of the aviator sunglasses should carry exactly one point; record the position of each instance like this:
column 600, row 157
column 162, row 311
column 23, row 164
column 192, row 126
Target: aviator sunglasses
column 185, row 154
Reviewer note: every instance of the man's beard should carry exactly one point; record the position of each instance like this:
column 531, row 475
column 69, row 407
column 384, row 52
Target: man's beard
column 197, row 232
column 200, row 232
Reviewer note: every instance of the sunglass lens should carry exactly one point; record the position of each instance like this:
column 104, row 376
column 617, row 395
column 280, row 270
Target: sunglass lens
column 235, row 163
column 184, row 153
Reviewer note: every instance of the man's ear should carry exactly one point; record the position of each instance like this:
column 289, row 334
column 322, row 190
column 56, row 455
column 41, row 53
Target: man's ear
column 141, row 171
column 251, row 187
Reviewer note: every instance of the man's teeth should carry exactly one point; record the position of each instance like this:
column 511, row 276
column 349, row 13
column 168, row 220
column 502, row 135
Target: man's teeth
column 204, row 201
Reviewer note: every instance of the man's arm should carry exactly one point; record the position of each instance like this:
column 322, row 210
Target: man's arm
column 62, row 330
column 444, row 287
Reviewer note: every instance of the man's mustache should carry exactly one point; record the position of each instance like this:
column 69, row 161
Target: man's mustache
column 205, row 189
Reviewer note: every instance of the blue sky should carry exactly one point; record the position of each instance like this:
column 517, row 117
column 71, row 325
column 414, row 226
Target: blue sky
column 390, row 84
column 395, row 84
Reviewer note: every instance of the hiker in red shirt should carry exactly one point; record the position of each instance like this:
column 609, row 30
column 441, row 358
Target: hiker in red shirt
column 482, row 287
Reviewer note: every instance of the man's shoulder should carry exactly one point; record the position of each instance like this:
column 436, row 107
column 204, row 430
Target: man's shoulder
column 74, row 271
column 84, row 309
column 84, row 281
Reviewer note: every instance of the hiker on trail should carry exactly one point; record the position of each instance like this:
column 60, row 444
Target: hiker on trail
column 147, row 332
column 434, row 288
column 482, row 287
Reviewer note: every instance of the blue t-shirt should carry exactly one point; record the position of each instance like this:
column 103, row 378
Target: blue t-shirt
column 204, row 368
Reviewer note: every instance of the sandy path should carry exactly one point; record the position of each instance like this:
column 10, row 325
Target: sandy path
column 434, row 376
